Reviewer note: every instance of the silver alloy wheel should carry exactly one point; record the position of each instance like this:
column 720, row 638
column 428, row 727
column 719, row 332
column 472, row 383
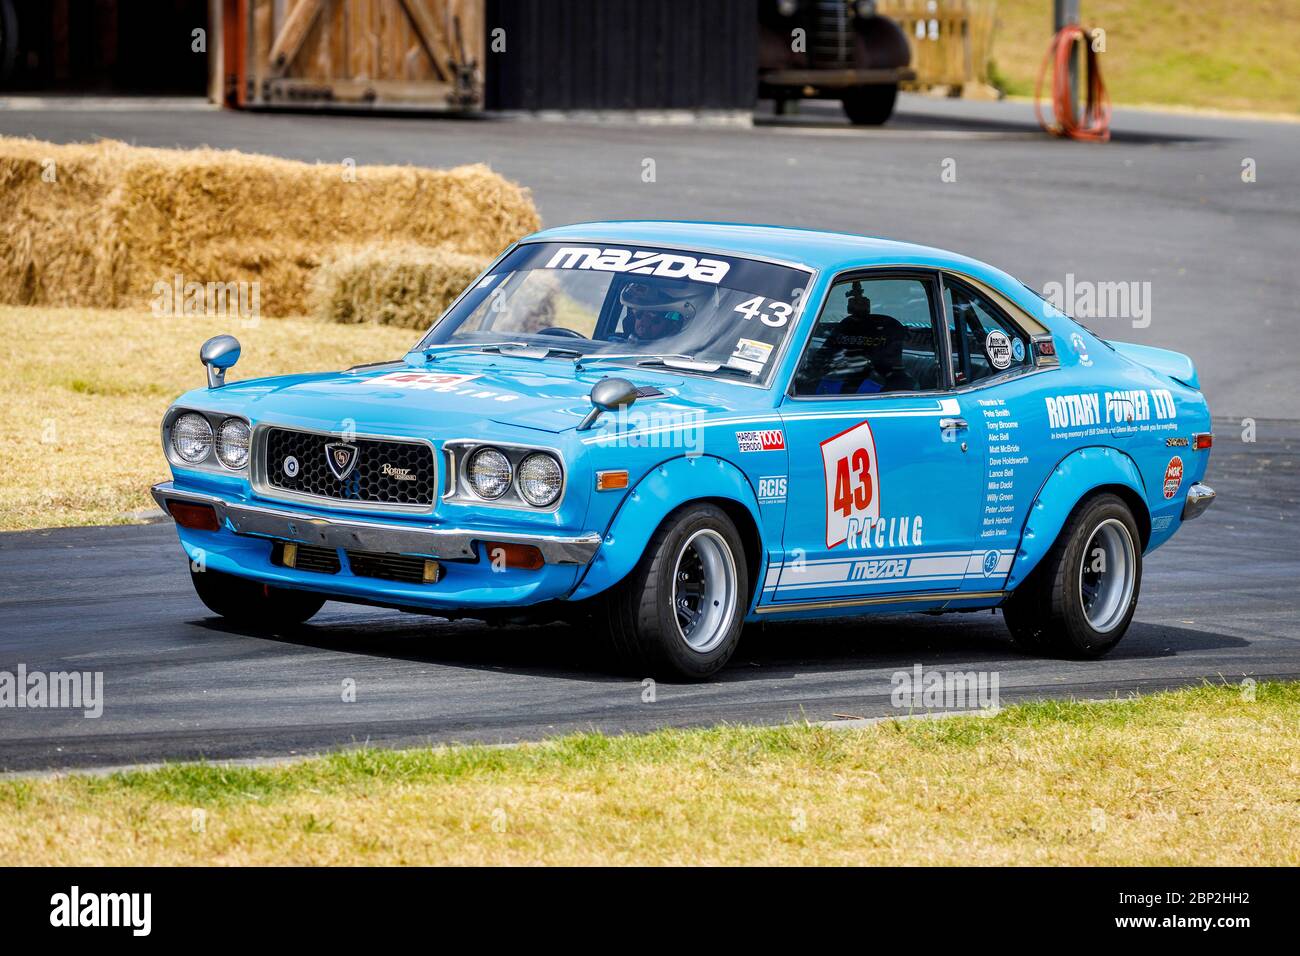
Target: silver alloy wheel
column 1107, row 575
column 704, row 590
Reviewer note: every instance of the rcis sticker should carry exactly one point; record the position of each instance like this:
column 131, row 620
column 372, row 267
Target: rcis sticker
column 1173, row 476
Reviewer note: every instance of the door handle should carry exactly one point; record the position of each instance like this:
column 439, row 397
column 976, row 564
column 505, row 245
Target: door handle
column 952, row 423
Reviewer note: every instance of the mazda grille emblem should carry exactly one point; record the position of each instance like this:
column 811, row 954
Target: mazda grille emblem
column 341, row 458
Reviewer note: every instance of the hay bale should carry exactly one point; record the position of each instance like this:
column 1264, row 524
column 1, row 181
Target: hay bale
column 116, row 219
column 399, row 284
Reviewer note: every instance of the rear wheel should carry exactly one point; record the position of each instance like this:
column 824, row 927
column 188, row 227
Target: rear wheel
column 870, row 105
column 252, row 604
column 679, row 613
column 1080, row 600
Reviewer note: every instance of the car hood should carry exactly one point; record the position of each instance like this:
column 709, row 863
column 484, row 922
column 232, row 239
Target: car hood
column 460, row 395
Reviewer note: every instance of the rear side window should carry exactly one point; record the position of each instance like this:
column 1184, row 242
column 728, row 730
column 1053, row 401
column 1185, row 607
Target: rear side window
column 985, row 342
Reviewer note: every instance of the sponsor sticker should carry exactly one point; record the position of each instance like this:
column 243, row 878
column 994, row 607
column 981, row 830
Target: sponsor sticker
column 1080, row 348
column 772, row 489
column 852, row 482
column 422, row 380
column 1173, row 476
column 1017, row 350
column 998, row 348
column 639, row 262
column 751, row 355
column 772, row 439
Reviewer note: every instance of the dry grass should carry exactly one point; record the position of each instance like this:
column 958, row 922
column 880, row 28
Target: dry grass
column 82, row 392
column 1196, row 777
column 399, row 284
column 1230, row 56
column 98, row 225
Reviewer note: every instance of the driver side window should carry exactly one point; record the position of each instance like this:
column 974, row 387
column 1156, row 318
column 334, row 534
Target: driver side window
column 874, row 335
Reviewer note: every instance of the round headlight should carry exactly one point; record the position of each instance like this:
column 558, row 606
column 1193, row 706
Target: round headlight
column 540, row 479
column 191, row 437
column 489, row 473
column 232, row 443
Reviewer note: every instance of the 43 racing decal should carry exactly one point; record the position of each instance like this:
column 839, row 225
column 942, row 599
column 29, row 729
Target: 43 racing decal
column 852, row 482
column 423, row 380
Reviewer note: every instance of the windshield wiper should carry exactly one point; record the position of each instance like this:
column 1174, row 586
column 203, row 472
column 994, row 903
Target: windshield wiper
column 583, row 360
column 431, row 352
column 533, row 351
column 670, row 360
column 691, row 365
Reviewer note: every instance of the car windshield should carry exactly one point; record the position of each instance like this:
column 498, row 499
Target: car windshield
column 699, row 313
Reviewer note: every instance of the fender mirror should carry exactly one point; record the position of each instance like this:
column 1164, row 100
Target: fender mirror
column 607, row 395
column 219, row 353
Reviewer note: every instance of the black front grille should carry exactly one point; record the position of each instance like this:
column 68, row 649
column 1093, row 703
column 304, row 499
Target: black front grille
column 307, row 557
column 392, row 567
column 386, row 472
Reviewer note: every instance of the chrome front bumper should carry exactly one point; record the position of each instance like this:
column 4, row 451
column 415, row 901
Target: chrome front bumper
column 261, row 521
column 1199, row 497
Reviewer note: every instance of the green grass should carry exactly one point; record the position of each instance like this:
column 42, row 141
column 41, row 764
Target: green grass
column 1196, row 776
column 1242, row 56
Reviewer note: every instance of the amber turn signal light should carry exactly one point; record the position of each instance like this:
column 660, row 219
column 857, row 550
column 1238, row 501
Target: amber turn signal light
column 523, row 556
column 611, row 480
column 1202, row 441
column 196, row 517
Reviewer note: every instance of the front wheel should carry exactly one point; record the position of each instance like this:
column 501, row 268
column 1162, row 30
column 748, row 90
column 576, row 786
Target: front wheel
column 1080, row 600
column 869, row 105
column 679, row 613
column 251, row 604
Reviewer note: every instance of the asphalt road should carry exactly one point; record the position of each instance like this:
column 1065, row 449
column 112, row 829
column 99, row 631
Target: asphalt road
column 1164, row 203
column 1218, row 603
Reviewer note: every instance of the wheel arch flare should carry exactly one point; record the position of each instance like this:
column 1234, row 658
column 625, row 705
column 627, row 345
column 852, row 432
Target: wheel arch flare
column 1080, row 474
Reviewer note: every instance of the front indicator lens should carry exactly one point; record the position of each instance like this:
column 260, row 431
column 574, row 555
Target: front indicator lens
column 233, row 439
column 540, row 479
column 489, row 473
column 191, row 437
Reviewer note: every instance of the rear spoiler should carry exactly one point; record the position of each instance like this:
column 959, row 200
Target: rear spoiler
column 1174, row 364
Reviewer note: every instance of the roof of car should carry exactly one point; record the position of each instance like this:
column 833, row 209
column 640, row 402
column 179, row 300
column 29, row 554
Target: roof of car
column 810, row 247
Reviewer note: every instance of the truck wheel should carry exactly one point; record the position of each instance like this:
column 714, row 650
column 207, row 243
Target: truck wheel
column 252, row 604
column 679, row 613
column 870, row 105
column 1079, row 601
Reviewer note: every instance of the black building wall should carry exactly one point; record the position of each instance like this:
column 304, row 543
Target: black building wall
column 622, row 54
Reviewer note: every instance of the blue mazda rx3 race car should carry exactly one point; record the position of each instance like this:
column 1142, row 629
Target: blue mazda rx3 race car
column 670, row 429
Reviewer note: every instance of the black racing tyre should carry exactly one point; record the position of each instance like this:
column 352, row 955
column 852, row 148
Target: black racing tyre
column 252, row 604
column 869, row 105
column 1080, row 599
column 679, row 613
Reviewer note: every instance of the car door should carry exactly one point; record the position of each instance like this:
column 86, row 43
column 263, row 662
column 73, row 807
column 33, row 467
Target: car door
column 886, row 472
column 991, row 348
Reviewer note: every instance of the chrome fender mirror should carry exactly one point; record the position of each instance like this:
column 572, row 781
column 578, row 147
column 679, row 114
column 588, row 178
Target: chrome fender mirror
column 219, row 353
column 607, row 395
